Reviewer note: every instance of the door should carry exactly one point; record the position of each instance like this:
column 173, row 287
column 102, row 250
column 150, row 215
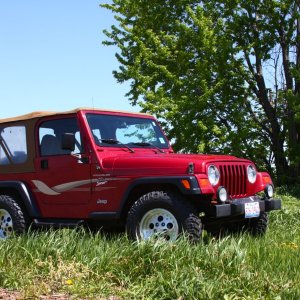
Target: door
column 63, row 177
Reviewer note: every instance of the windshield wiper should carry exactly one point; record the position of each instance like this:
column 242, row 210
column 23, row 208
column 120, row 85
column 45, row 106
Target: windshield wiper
column 115, row 142
column 142, row 144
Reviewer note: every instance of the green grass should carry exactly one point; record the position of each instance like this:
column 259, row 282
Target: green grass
column 81, row 264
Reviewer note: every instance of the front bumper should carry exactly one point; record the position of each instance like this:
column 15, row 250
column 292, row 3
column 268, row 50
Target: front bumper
column 237, row 207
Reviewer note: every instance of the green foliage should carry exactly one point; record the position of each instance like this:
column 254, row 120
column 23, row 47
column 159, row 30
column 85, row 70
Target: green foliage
column 83, row 265
column 217, row 73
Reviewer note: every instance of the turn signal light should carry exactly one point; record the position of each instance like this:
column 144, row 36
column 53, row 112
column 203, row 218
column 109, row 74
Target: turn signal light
column 267, row 180
column 204, row 183
column 186, row 184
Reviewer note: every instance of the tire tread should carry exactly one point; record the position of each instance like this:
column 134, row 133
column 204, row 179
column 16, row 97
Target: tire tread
column 191, row 226
column 19, row 217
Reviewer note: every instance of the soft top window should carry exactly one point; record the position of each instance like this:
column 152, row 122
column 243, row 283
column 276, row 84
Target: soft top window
column 13, row 145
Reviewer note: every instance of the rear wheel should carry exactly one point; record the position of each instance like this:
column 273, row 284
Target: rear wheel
column 12, row 218
column 163, row 215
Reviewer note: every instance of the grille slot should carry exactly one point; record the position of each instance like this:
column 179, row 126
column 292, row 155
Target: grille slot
column 234, row 179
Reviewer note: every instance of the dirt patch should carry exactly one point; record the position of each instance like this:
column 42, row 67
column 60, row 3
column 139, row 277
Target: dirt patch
column 9, row 295
column 14, row 295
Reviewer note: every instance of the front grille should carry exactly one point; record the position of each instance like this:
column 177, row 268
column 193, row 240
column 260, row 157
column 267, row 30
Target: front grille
column 234, row 179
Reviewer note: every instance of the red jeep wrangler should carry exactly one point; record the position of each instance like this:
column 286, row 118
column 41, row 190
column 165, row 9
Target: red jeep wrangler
column 117, row 168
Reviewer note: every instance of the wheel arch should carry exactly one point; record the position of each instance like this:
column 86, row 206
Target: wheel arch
column 143, row 186
column 19, row 191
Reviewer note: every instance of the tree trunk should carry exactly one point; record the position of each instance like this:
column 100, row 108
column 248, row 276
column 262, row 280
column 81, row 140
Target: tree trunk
column 297, row 91
column 277, row 141
column 293, row 170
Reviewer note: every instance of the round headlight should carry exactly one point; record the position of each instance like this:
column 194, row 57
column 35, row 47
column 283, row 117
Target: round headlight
column 222, row 194
column 269, row 191
column 251, row 174
column 213, row 175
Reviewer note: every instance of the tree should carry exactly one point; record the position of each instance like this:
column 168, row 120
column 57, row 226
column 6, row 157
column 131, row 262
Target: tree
column 222, row 75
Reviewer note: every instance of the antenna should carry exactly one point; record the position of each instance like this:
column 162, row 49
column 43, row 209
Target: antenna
column 93, row 103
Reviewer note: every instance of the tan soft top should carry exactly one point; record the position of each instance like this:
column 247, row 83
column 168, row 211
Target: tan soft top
column 39, row 114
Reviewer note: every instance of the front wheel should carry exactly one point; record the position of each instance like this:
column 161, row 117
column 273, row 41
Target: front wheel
column 163, row 215
column 12, row 218
column 258, row 226
column 255, row 226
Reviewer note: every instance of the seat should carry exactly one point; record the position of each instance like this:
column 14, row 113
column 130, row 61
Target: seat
column 50, row 145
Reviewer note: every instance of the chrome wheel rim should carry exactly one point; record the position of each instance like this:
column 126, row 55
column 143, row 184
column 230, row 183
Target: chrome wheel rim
column 159, row 223
column 6, row 224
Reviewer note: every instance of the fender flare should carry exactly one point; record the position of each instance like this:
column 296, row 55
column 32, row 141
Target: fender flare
column 25, row 195
column 172, row 180
column 166, row 180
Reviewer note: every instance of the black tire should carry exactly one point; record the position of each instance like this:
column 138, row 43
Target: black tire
column 258, row 226
column 12, row 217
column 255, row 226
column 163, row 214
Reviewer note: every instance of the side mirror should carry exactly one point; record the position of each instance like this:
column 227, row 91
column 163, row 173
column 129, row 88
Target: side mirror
column 68, row 141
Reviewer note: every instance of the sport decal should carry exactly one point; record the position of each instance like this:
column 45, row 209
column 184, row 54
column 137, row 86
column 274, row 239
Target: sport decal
column 58, row 189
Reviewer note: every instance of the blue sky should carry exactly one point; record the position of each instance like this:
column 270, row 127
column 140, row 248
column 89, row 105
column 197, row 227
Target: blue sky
column 51, row 57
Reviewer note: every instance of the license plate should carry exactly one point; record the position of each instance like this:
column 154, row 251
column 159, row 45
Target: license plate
column 252, row 210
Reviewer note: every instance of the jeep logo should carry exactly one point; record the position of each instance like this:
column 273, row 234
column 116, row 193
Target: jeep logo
column 99, row 201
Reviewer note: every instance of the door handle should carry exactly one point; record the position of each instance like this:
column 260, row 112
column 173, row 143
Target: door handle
column 44, row 164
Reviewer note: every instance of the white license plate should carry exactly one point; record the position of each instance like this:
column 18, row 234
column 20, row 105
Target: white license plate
column 252, row 210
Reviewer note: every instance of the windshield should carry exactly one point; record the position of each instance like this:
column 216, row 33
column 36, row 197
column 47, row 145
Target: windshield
column 115, row 131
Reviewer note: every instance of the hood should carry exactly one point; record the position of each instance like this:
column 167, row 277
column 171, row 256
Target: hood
column 162, row 164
